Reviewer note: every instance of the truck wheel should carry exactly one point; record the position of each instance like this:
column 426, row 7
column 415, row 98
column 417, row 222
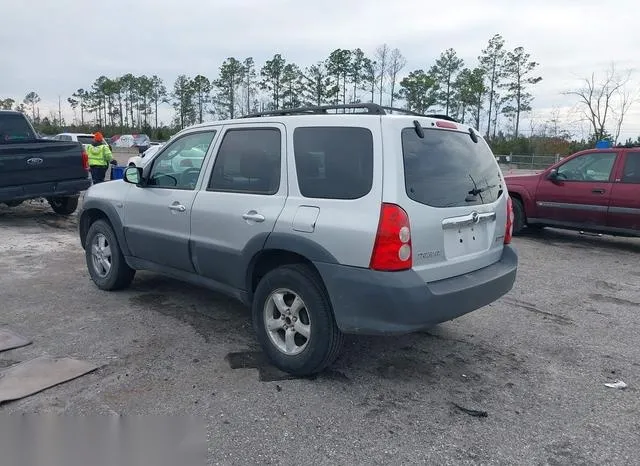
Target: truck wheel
column 519, row 218
column 64, row 205
column 106, row 264
column 294, row 322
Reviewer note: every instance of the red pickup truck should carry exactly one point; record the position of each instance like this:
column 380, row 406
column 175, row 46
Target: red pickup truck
column 596, row 190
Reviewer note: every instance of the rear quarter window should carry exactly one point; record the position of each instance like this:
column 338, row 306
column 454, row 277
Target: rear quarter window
column 447, row 169
column 334, row 162
column 14, row 128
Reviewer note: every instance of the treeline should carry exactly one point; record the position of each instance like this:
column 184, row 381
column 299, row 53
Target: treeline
column 492, row 93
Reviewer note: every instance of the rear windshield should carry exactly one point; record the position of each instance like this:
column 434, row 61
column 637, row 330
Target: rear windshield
column 14, row 128
column 85, row 139
column 448, row 169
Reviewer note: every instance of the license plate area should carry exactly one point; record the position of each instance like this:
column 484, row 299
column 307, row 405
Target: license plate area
column 467, row 235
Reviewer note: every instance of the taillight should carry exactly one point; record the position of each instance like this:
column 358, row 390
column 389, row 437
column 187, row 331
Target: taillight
column 85, row 160
column 392, row 248
column 508, row 233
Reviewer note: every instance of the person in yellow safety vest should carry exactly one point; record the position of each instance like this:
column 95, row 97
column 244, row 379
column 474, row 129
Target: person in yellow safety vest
column 99, row 157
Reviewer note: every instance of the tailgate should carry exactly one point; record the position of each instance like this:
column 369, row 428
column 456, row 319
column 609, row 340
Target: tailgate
column 40, row 161
column 456, row 201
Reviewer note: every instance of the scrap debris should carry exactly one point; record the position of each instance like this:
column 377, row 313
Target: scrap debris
column 471, row 412
column 619, row 384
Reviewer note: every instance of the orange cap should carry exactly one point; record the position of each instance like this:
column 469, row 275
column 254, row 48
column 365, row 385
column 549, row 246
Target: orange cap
column 98, row 136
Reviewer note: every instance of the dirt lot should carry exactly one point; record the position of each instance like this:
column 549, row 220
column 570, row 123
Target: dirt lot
column 536, row 361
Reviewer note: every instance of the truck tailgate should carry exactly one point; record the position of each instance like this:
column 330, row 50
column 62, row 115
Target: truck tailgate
column 40, row 161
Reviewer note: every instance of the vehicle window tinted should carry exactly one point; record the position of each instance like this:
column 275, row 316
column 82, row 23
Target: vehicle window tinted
column 248, row 161
column 179, row 165
column 334, row 162
column 596, row 166
column 14, row 128
column 631, row 172
column 448, row 169
column 85, row 139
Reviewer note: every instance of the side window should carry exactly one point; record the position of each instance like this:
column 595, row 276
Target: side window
column 248, row 161
column 179, row 165
column 596, row 166
column 631, row 172
column 334, row 162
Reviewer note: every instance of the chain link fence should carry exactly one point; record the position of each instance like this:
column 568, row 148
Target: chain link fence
column 528, row 162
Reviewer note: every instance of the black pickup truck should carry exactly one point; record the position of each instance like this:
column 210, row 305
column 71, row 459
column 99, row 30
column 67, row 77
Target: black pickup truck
column 32, row 168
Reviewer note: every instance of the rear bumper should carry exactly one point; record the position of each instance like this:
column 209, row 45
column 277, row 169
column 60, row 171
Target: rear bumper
column 51, row 189
column 369, row 302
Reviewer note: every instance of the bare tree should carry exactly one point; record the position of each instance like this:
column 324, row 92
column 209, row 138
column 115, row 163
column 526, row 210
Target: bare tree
column 602, row 100
column 396, row 63
column 382, row 66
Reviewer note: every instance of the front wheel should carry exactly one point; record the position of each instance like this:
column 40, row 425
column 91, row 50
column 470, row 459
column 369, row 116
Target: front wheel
column 519, row 218
column 105, row 262
column 64, row 205
column 294, row 322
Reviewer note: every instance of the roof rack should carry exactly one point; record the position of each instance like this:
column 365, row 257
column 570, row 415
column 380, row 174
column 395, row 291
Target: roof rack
column 370, row 109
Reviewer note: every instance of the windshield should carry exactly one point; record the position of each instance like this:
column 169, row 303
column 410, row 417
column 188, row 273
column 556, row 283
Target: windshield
column 14, row 128
column 448, row 169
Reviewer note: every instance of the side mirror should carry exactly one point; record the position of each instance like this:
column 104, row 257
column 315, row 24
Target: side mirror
column 553, row 174
column 133, row 175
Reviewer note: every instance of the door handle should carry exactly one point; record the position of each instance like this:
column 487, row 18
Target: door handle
column 177, row 207
column 598, row 191
column 253, row 216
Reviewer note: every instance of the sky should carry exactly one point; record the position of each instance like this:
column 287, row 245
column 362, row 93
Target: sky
column 54, row 48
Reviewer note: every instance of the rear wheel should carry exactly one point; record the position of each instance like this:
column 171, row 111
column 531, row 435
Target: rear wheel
column 64, row 205
column 294, row 322
column 105, row 262
column 519, row 218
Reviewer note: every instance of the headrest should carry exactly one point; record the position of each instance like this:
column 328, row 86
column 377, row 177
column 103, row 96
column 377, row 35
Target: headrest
column 255, row 165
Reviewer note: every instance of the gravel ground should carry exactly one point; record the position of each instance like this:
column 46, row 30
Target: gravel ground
column 535, row 362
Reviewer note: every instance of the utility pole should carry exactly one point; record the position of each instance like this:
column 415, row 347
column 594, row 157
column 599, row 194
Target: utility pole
column 59, row 112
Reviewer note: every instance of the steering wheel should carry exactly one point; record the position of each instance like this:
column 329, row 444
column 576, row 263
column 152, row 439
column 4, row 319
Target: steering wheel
column 189, row 172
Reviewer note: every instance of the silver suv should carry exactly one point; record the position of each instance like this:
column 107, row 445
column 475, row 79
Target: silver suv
column 325, row 223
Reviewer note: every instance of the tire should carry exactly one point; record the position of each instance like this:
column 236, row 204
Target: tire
column 64, row 205
column 519, row 218
column 315, row 315
column 118, row 275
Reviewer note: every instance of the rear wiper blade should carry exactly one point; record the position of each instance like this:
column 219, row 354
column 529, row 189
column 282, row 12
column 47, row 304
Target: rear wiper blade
column 476, row 191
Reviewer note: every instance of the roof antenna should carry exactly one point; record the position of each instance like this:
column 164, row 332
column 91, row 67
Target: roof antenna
column 419, row 130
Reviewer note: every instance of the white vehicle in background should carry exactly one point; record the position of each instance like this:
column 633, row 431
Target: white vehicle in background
column 141, row 160
column 82, row 138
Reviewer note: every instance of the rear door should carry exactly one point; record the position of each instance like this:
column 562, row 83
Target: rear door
column 452, row 189
column 580, row 194
column 624, row 206
column 244, row 193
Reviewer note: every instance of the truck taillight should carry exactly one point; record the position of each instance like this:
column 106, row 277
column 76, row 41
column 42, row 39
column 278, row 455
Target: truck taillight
column 85, row 160
column 392, row 247
column 508, row 233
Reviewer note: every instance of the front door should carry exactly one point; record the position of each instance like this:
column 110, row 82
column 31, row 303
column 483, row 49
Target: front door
column 157, row 215
column 624, row 208
column 244, row 195
column 580, row 193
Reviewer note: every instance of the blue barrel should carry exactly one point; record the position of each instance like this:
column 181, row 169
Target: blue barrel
column 117, row 173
